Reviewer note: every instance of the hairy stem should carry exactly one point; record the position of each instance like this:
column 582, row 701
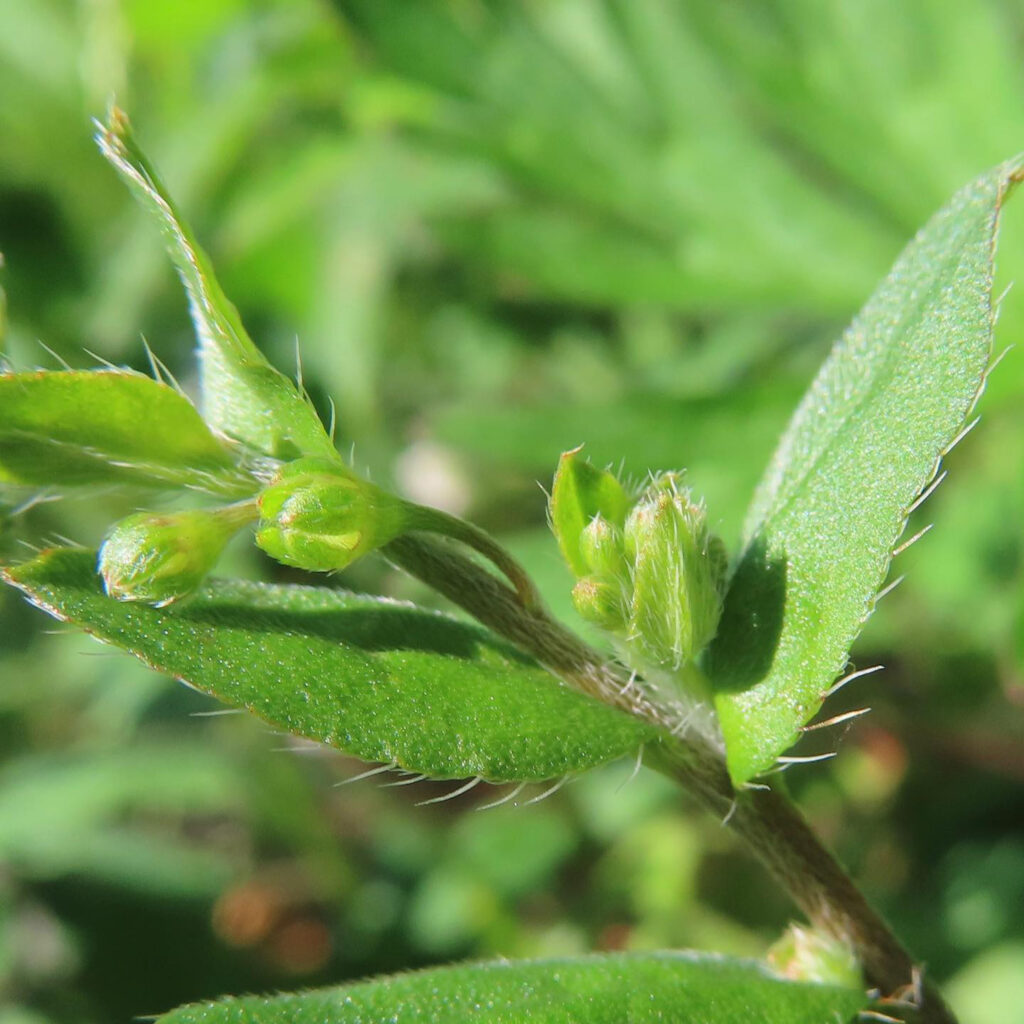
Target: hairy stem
column 432, row 520
column 773, row 828
column 769, row 824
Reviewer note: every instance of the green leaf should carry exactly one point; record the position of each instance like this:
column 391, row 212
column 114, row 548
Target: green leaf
column 378, row 679
column 72, row 814
column 866, row 440
column 636, row 987
column 581, row 492
column 244, row 397
column 84, row 427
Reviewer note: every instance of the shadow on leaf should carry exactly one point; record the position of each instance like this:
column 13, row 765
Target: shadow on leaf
column 748, row 635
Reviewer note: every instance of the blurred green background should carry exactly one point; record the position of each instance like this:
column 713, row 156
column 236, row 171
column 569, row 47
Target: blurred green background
column 497, row 229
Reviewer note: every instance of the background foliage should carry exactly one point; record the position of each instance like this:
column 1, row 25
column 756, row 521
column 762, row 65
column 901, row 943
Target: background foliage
column 499, row 229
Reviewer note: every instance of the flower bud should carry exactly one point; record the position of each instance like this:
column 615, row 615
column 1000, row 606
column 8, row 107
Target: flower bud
column 804, row 954
column 601, row 547
column 319, row 516
column 679, row 570
column 162, row 558
column 599, row 600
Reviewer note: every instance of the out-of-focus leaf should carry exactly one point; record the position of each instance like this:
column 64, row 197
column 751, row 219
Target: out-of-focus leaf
column 863, row 444
column 990, row 988
column 898, row 122
column 666, row 165
column 381, row 680
column 722, row 442
column 63, row 815
column 244, row 397
column 641, row 988
column 84, row 427
column 643, row 431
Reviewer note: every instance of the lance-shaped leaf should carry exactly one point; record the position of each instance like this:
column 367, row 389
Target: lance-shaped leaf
column 641, row 988
column 382, row 680
column 83, row 427
column 867, row 438
column 244, row 397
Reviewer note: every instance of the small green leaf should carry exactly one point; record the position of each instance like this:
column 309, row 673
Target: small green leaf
column 865, row 441
column 383, row 681
column 581, row 492
column 641, row 988
column 244, row 397
column 84, row 427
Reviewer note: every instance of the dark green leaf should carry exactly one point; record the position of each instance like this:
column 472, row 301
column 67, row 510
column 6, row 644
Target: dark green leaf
column 639, row 988
column 865, row 441
column 381, row 680
column 83, row 427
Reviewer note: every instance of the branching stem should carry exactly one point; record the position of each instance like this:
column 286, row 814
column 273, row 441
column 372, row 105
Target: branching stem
column 768, row 823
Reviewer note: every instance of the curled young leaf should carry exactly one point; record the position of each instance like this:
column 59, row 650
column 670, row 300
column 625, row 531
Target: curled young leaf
column 581, row 492
column 243, row 396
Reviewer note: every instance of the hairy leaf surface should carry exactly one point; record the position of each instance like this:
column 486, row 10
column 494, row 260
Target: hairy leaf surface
column 100, row 426
column 642, row 988
column 864, row 442
column 379, row 679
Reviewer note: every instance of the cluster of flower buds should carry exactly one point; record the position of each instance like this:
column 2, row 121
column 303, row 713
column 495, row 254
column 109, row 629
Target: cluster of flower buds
column 315, row 514
column 648, row 570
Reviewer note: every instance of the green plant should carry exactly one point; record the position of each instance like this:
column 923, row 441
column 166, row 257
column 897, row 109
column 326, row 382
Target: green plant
column 720, row 673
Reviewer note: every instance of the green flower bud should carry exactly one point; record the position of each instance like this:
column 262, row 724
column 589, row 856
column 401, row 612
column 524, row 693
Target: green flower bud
column 318, row 516
column 679, row 572
column 162, row 558
column 601, row 548
column 804, row 954
column 599, row 600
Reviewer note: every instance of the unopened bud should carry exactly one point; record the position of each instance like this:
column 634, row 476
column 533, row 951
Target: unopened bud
column 162, row 558
column 318, row 516
column 679, row 570
column 600, row 601
column 601, row 547
column 803, row 954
